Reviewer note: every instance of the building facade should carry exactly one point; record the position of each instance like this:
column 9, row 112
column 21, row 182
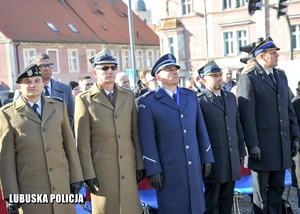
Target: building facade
column 70, row 32
column 197, row 31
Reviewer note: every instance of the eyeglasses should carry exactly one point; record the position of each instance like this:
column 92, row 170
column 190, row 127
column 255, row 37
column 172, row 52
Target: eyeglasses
column 106, row 68
column 43, row 66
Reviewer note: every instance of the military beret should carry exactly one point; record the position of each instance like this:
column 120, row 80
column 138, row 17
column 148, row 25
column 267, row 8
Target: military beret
column 209, row 68
column 267, row 44
column 165, row 61
column 103, row 57
column 31, row 70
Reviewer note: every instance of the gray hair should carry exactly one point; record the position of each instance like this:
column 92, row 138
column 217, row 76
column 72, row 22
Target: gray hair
column 38, row 56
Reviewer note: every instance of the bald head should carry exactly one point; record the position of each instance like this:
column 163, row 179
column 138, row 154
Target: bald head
column 122, row 80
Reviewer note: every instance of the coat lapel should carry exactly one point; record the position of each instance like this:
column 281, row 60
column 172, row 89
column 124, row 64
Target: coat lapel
column 183, row 99
column 121, row 97
column 165, row 98
column 24, row 109
column 278, row 80
column 56, row 91
column 265, row 77
column 47, row 109
column 214, row 100
column 98, row 96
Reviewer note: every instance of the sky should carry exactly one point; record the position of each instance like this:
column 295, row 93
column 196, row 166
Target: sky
column 151, row 5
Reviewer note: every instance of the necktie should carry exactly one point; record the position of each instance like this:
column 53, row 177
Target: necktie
column 220, row 99
column 46, row 91
column 175, row 97
column 272, row 78
column 34, row 107
column 111, row 98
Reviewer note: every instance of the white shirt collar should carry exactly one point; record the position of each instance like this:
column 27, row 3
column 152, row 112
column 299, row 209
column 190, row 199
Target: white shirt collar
column 39, row 103
column 107, row 92
column 268, row 72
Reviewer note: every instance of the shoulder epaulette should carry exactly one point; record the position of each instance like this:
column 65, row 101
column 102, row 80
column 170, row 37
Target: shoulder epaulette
column 58, row 98
column 147, row 93
column 249, row 70
column 279, row 70
column 7, row 106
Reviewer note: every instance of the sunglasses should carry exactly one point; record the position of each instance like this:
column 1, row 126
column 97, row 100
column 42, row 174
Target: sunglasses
column 106, row 68
column 44, row 66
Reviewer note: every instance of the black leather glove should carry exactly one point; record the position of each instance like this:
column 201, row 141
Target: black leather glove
column 295, row 146
column 254, row 153
column 206, row 171
column 156, row 181
column 12, row 208
column 75, row 187
column 90, row 185
column 140, row 175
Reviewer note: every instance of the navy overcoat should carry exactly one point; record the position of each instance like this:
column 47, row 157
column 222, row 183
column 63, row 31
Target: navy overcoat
column 225, row 135
column 174, row 142
column 268, row 118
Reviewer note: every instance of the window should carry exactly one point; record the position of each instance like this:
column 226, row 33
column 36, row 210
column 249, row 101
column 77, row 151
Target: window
column 115, row 54
column 227, row 4
column 242, row 40
column 231, row 4
column 126, row 59
column 53, row 54
column 89, row 54
column 186, row 7
column 296, row 36
column 171, row 45
column 233, row 40
column 139, row 58
column 28, row 53
column 149, row 58
column 73, row 61
column 74, row 29
column 157, row 54
column 240, row 3
column 52, row 27
column 228, row 39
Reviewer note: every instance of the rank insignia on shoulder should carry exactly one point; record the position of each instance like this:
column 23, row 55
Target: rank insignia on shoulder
column 142, row 106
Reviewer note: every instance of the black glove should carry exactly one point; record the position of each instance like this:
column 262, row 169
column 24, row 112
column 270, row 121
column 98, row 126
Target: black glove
column 207, row 170
column 90, row 185
column 255, row 153
column 140, row 175
column 295, row 146
column 156, row 181
column 12, row 208
column 75, row 187
column 241, row 160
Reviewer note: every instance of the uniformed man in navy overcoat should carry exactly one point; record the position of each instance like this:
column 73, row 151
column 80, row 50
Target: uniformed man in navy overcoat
column 174, row 141
column 221, row 117
column 270, row 126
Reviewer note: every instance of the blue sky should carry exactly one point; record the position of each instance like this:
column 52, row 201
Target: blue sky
column 152, row 5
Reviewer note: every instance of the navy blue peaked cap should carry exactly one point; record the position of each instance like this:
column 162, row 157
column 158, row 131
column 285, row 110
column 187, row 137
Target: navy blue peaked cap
column 165, row 61
column 209, row 68
column 267, row 44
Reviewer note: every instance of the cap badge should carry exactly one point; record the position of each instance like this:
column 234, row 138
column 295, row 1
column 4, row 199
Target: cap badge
column 29, row 73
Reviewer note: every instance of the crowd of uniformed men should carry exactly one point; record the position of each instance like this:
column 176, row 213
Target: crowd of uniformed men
column 190, row 143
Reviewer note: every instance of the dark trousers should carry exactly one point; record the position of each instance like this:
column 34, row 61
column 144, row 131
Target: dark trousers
column 268, row 187
column 219, row 197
